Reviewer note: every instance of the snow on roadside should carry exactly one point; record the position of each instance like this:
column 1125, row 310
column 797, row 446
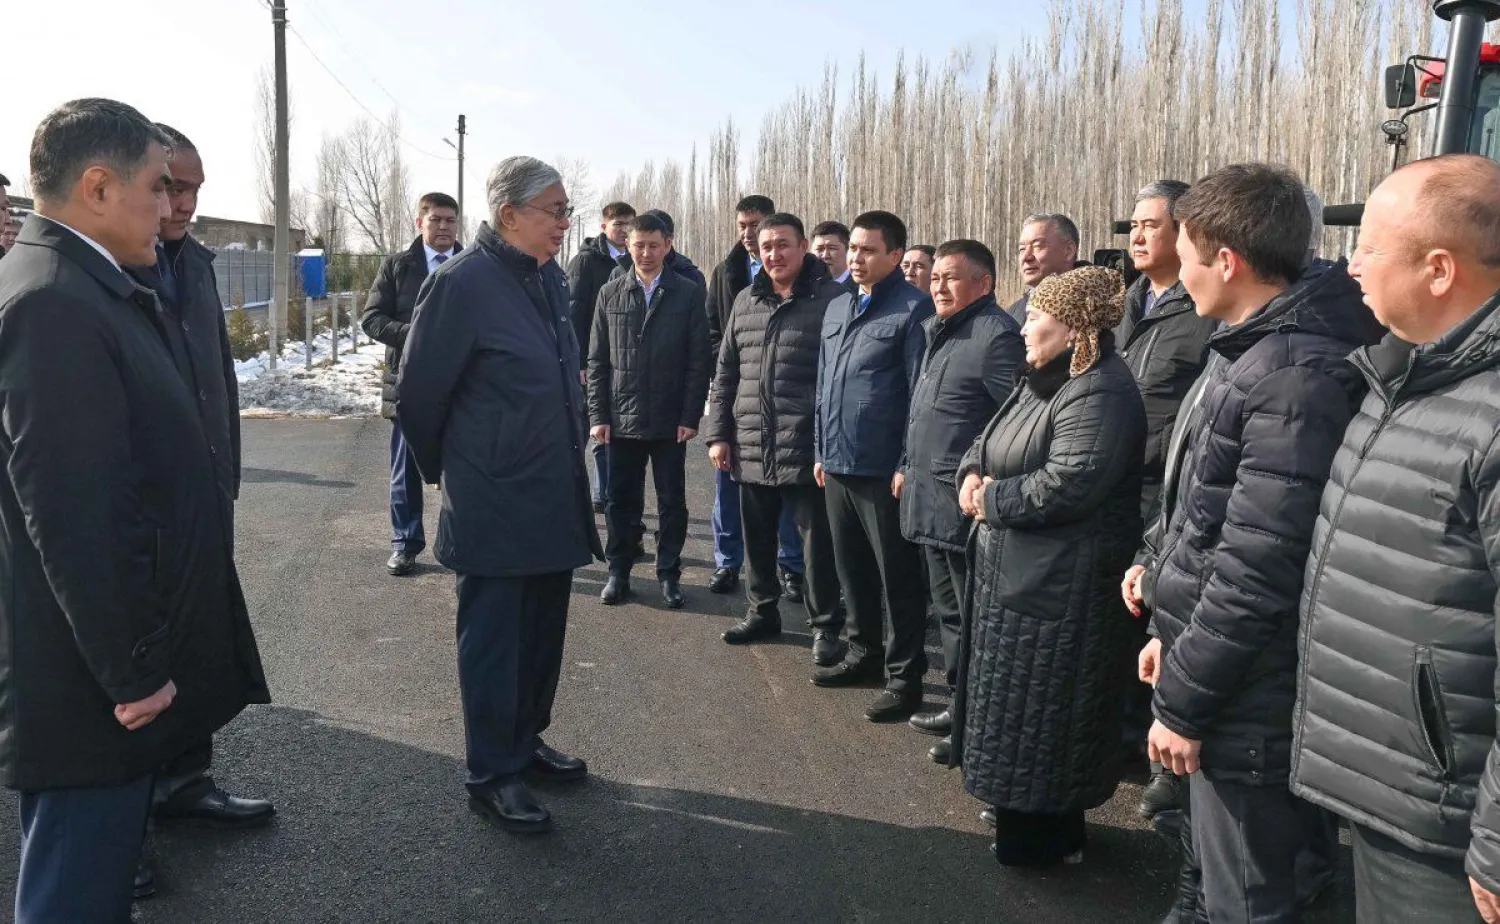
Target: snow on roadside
column 349, row 389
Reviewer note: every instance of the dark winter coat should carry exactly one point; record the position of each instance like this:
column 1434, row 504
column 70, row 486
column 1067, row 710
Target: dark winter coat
column 649, row 366
column 867, row 370
column 1225, row 606
column 1017, row 309
column 1395, row 721
column 387, row 315
column 588, row 271
column 1037, row 710
column 970, row 367
column 114, row 541
column 762, row 402
column 490, row 403
column 729, row 279
column 195, row 317
column 1166, row 351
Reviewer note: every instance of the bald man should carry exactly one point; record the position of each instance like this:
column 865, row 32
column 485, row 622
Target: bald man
column 1395, row 723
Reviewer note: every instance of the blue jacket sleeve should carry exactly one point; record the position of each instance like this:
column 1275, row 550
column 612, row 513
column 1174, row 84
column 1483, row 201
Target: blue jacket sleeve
column 437, row 349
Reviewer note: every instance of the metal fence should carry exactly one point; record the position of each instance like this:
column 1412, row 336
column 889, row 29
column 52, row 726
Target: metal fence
column 247, row 277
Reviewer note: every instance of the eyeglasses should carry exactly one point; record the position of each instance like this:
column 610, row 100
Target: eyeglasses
column 561, row 213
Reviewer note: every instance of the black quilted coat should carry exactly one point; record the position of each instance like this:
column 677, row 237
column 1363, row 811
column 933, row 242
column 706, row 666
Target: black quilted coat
column 762, row 397
column 1395, row 715
column 1037, row 711
column 1272, row 413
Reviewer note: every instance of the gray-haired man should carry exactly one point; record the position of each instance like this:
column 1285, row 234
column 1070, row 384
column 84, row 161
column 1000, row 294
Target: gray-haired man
column 1048, row 246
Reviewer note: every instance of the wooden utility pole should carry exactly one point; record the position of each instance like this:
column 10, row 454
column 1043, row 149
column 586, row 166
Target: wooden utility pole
column 462, row 129
column 281, row 251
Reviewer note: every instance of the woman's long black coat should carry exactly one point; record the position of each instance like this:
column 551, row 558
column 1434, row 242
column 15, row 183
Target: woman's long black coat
column 1037, row 712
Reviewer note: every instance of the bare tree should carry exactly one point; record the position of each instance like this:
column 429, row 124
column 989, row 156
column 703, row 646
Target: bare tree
column 398, row 205
column 329, row 220
column 373, row 185
column 265, row 144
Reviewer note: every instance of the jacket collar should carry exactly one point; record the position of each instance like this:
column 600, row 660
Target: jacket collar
column 1173, row 300
column 1048, row 380
column 813, row 270
column 882, row 290
column 1329, row 304
column 490, row 242
column 962, row 316
column 49, row 234
column 418, row 249
column 1394, row 367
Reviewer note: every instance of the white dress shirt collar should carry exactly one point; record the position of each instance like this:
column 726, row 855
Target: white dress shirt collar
column 432, row 263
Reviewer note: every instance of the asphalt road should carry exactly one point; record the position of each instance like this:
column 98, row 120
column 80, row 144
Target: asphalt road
column 724, row 786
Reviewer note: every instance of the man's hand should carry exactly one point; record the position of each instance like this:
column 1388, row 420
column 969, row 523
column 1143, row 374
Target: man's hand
column 718, row 454
column 1130, row 589
column 818, row 474
column 1149, row 663
column 978, row 497
column 685, row 433
column 1486, row 901
column 898, row 481
column 966, row 493
column 139, row 714
column 1171, row 750
column 583, row 377
column 600, row 434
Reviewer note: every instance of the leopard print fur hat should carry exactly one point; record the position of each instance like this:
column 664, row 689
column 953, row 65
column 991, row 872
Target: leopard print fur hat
column 1089, row 299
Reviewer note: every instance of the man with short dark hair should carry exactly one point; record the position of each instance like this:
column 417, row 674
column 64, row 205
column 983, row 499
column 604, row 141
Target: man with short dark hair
column 740, row 268
column 676, row 261
column 387, row 319
column 124, row 639
column 868, row 365
column 1395, row 720
column 916, row 266
column 760, row 430
column 647, row 380
column 184, row 282
column 588, row 271
column 1049, row 245
column 830, row 243
column 1275, row 401
column 973, row 354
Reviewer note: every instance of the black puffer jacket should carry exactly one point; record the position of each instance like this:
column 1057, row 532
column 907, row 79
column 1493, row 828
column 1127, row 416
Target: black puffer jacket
column 588, row 271
column 1271, row 417
column 387, row 315
column 648, row 367
column 730, row 278
column 1166, row 351
column 1396, row 702
column 1037, row 705
column 970, row 368
column 762, row 397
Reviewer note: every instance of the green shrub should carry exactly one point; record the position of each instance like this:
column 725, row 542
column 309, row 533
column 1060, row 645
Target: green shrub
column 245, row 342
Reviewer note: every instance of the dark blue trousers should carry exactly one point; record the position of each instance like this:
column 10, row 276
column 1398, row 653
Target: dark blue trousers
column 729, row 535
column 510, row 645
column 601, row 473
column 406, row 496
column 79, row 849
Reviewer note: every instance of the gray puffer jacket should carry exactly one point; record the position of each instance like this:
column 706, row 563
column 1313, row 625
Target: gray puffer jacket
column 1395, row 717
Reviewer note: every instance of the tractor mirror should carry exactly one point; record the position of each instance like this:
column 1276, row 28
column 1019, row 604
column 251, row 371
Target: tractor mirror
column 1401, row 86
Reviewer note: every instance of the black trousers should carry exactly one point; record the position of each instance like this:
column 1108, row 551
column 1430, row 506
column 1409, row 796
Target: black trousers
column 1394, row 884
column 510, row 644
column 79, row 849
column 626, row 500
column 760, row 515
column 185, row 776
column 947, row 572
column 881, row 574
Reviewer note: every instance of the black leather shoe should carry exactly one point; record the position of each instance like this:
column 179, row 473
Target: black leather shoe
column 145, row 881
column 512, row 806
column 724, row 580
column 217, row 807
column 1162, row 794
column 401, row 564
column 671, row 594
column 791, row 586
column 942, row 752
column 617, row 588
column 934, row 723
column 847, row 673
column 555, row 766
column 752, row 628
column 827, row 649
column 894, row 705
column 988, row 817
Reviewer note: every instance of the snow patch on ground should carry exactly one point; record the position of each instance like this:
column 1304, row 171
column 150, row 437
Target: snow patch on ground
column 350, row 388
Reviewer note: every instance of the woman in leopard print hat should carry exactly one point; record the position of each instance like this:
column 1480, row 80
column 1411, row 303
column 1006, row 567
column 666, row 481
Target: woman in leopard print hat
column 1054, row 485
column 1088, row 301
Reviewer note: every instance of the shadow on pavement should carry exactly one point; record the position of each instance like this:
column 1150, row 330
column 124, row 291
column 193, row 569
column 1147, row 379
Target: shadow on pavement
column 275, row 476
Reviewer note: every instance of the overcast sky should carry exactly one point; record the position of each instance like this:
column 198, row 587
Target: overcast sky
column 613, row 84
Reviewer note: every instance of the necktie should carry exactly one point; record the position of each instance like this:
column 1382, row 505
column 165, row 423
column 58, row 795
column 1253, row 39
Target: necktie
column 864, row 302
column 440, row 258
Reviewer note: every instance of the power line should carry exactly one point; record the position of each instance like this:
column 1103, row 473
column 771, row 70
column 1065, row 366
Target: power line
column 359, row 102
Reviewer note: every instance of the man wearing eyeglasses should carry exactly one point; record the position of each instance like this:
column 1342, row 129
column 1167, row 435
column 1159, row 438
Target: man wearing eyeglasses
column 387, row 318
